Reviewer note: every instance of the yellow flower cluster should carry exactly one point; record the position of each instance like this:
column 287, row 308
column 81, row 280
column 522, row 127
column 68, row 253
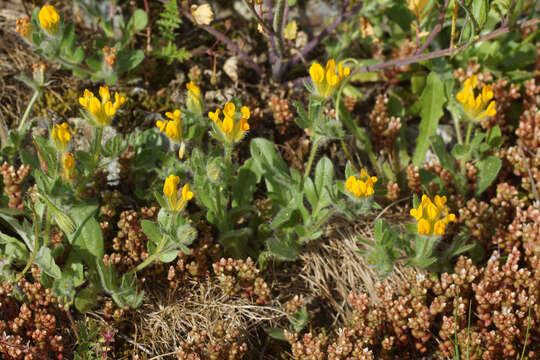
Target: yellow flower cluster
column 101, row 111
column 49, row 19
column 363, row 187
column 194, row 101
column 432, row 217
column 170, row 190
column 326, row 80
column 477, row 107
column 60, row 136
column 173, row 129
column 231, row 128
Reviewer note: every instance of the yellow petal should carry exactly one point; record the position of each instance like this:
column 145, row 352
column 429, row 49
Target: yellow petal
column 229, row 110
column 104, row 93
column 316, row 72
column 245, row 112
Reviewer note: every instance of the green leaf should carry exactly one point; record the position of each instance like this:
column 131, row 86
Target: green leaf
column 446, row 160
column 46, row 262
column 488, row 169
column 114, row 146
column 277, row 333
column 152, row 231
column 494, row 137
column 86, row 299
column 286, row 248
column 140, row 20
column 168, row 256
column 129, row 60
column 432, row 102
column 480, row 10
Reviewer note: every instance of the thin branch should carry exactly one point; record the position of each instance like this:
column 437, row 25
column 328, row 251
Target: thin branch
column 533, row 181
column 313, row 43
column 435, row 31
column 227, row 41
column 445, row 52
column 435, row 54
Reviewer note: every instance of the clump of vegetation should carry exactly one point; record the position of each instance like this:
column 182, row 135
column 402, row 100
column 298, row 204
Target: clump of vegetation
column 205, row 196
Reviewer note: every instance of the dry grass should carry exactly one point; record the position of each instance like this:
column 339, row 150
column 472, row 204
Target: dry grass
column 325, row 274
column 164, row 321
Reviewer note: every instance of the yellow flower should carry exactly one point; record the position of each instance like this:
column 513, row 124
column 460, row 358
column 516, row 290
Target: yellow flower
column 24, row 27
column 418, row 8
column 477, row 107
column 432, row 217
column 60, row 136
column 202, row 14
column 101, row 111
column 68, row 166
column 49, row 19
column 176, row 201
column 290, row 30
column 173, row 129
column 326, row 80
column 361, row 188
column 194, row 100
column 234, row 126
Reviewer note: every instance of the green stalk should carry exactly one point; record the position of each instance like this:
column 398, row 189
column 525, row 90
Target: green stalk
column 311, row 156
column 467, row 141
column 34, row 250
column 95, row 159
column 33, row 100
column 47, row 227
column 278, row 23
column 152, row 257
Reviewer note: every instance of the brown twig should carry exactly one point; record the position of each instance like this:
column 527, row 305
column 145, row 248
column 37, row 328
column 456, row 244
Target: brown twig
column 436, row 29
column 148, row 27
column 533, row 181
column 313, row 43
column 227, row 41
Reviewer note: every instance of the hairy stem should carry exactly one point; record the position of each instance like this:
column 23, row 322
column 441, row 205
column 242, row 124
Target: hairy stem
column 29, row 107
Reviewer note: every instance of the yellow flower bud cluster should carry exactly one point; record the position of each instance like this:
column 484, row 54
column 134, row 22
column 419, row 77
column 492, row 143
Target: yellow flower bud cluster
column 49, row 19
column 24, row 27
column 361, row 188
column 194, row 100
column 477, row 107
column 101, row 111
column 432, row 217
column 176, row 200
column 234, row 125
column 326, row 80
column 60, row 136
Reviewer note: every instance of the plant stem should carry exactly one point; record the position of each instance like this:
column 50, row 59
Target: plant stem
column 34, row 250
column 457, row 126
column 95, row 159
column 526, row 334
column 277, row 25
column 467, row 141
column 33, row 100
column 152, row 257
column 348, row 154
column 311, row 156
column 47, row 228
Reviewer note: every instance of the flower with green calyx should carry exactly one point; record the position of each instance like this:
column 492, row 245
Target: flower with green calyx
column 173, row 129
column 49, row 19
column 479, row 106
column 60, row 137
column 326, row 80
column 234, row 125
column 361, row 188
column 194, row 100
column 101, row 111
column 432, row 217
column 176, row 200
column 68, row 166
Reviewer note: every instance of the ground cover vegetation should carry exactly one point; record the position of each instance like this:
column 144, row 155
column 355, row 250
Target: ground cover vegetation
column 270, row 179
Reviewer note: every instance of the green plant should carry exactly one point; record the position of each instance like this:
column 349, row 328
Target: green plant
column 54, row 39
column 169, row 21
